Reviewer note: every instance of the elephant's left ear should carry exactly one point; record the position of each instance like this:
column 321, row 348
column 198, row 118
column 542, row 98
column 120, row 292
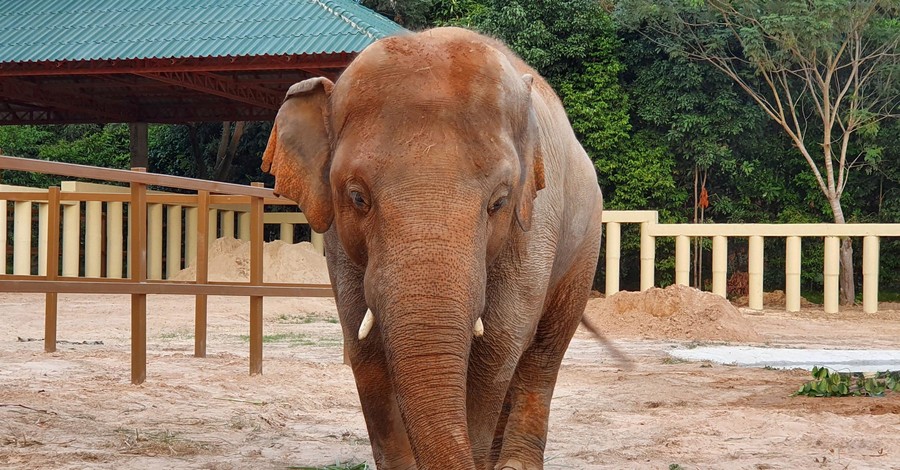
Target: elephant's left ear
column 299, row 152
column 532, row 160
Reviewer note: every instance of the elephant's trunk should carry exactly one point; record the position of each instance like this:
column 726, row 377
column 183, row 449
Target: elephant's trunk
column 427, row 299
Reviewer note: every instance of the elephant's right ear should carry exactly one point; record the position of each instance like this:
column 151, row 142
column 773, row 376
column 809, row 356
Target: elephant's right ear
column 299, row 151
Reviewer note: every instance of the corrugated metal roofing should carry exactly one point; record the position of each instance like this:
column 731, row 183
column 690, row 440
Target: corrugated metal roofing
column 57, row 30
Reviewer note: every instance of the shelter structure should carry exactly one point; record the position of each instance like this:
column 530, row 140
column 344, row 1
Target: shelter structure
column 170, row 61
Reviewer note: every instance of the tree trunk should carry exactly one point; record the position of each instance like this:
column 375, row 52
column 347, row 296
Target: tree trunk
column 225, row 159
column 846, row 281
column 199, row 163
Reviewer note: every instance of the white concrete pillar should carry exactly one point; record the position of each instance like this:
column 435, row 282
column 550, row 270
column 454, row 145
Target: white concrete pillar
column 720, row 265
column 3, row 237
column 870, row 274
column 244, row 226
column 71, row 249
column 648, row 257
column 154, row 241
column 318, row 242
column 792, row 249
column 287, row 232
column 755, row 272
column 114, row 236
column 93, row 236
column 613, row 255
column 190, row 235
column 43, row 236
column 173, row 240
column 22, row 238
column 682, row 260
column 831, row 273
column 228, row 224
column 213, row 225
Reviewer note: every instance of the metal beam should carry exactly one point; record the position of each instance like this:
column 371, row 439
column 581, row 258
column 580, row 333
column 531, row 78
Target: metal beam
column 220, row 86
column 188, row 64
column 22, row 91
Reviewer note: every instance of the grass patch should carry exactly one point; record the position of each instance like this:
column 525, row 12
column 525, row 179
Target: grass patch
column 177, row 335
column 337, row 466
column 293, row 319
column 295, row 339
column 155, row 442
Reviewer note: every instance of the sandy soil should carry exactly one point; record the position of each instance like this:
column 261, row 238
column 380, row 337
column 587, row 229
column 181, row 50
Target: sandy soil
column 76, row 409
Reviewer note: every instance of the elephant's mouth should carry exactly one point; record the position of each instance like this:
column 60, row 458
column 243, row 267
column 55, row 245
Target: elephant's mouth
column 368, row 322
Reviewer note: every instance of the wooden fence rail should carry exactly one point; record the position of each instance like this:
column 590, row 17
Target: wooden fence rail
column 144, row 245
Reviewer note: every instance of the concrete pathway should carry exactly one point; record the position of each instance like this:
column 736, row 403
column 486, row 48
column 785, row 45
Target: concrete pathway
column 842, row 360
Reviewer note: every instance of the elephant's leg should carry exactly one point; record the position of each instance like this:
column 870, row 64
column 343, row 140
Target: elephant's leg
column 390, row 444
column 531, row 389
column 510, row 319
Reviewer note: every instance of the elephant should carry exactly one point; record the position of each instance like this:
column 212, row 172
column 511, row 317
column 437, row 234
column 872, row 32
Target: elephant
column 462, row 223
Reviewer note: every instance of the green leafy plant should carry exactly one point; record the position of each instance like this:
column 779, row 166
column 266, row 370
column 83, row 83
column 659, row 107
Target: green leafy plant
column 827, row 383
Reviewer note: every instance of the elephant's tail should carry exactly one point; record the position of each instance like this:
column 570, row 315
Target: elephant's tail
column 624, row 362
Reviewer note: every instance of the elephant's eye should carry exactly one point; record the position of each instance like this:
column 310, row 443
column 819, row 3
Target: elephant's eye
column 497, row 205
column 358, row 200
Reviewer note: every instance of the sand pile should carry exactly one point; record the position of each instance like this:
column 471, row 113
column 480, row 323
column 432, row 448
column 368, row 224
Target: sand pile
column 774, row 299
column 229, row 260
column 676, row 312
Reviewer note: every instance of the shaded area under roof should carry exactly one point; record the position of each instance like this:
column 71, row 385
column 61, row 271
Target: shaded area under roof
column 67, row 61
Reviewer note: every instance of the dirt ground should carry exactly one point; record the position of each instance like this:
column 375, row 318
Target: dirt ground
column 76, row 409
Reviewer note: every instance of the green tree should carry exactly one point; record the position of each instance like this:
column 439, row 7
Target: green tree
column 823, row 71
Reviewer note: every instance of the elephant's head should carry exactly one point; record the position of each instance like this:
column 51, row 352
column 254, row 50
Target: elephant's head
column 424, row 157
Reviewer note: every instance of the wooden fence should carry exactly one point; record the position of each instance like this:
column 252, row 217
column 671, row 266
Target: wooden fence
column 143, row 259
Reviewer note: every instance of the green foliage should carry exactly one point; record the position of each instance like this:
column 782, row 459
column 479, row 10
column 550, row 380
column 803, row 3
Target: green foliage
column 826, row 383
column 86, row 144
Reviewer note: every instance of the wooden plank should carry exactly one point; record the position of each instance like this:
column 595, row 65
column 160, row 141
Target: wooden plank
column 202, row 272
column 127, row 176
column 120, row 286
column 256, row 279
column 51, row 300
column 138, row 223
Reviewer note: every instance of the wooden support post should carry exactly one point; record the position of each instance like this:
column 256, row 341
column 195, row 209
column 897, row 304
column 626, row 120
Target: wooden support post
column 648, row 257
column 202, row 268
column 52, row 269
column 114, row 239
column 870, row 274
column 228, row 224
column 71, row 249
column 173, row 241
column 831, row 272
column 682, row 260
column 792, row 253
column 43, row 236
column 22, row 238
column 93, row 230
column 286, row 232
column 720, row 266
column 139, row 146
column 755, row 272
column 613, row 254
column 138, row 271
column 256, row 279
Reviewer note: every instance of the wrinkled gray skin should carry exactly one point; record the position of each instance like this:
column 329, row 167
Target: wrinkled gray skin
column 451, row 186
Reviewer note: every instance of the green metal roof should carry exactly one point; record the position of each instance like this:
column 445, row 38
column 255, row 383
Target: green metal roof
column 77, row 30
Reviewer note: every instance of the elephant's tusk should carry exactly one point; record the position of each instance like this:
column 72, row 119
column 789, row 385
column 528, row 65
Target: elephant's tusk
column 479, row 328
column 366, row 326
